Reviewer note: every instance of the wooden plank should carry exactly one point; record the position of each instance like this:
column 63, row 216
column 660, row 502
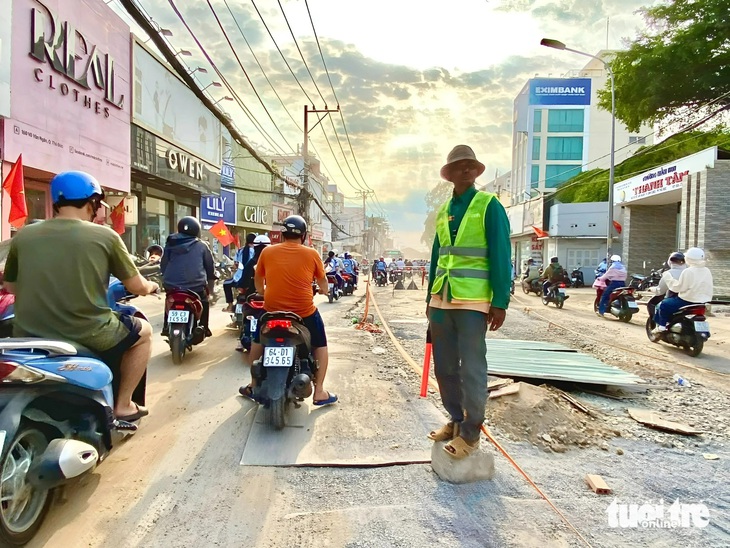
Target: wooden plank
column 575, row 403
column 653, row 420
column 596, row 483
column 499, row 383
column 505, row 391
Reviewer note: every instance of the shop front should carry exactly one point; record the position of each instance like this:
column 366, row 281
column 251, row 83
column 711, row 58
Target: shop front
column 176, row 151
column 70, row 100
column 681, row 204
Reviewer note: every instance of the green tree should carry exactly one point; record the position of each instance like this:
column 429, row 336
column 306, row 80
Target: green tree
column 679, row 64
column 435, row 198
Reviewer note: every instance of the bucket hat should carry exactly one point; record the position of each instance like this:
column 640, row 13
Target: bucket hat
column 460, row 152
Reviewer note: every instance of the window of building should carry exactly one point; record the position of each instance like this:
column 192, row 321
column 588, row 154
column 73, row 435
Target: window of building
column 565, row 121
column 565, row 148
column 137, row 91
column 535, row 176
column 587, row 258
column 536, row 148
column 157, row 221
column 557, row 174
column 537, row 121
column 637, row 140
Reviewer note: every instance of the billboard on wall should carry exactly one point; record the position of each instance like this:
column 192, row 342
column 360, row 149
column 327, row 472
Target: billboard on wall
column 6, row 8
column 164, row 105
column 70, row 104
column 216, row 208
column 560, row 91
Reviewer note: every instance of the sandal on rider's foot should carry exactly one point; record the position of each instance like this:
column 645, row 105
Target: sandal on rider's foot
column 141, row 412
column 247, row 392
column 331, row 398
column 447, row 432
column 459, row 448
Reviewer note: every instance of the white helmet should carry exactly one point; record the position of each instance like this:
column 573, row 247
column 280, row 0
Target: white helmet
column 694, row 254
column 615, row 258
column 262, row 239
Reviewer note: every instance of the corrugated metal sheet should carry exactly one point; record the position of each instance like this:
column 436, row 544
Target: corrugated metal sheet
column 552, row 361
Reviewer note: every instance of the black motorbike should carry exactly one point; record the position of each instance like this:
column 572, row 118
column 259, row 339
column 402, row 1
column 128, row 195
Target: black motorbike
column 532, row 287
column 285, row 372
column 381, row 279
column 576, row 278
column 622, row 303
column 556, row 294
column 688, row 328
column 251, row 311
column 643, row 283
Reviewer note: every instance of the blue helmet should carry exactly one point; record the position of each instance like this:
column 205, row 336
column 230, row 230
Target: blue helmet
column 74, row 185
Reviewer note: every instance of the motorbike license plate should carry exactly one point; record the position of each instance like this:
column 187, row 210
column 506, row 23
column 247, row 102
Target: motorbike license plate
column 178, row 316
column 278, row 356
column 561, row 290
column 254, row 324
column 632, row 304
column 330, row 286
column 239, row 309
column 702, row 327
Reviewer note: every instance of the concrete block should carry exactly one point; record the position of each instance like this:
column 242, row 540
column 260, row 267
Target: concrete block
column 476, row 467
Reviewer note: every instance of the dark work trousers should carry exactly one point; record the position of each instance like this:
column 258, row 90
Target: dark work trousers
column 460, row 366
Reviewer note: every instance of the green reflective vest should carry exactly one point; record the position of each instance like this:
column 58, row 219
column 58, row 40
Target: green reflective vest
column 464, row 264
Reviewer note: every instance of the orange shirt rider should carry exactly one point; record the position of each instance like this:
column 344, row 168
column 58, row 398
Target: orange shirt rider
column 288, row 269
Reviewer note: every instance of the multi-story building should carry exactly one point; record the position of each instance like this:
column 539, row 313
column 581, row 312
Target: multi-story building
column 559, row 131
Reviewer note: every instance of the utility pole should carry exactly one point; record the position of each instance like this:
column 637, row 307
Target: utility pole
column 364, row 195
column 306, row 193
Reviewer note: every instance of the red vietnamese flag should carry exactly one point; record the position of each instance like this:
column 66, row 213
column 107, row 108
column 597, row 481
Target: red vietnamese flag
column 221, row 232
column 13, row 185
column 617, row 226
column 117, row 217
column 540, row 233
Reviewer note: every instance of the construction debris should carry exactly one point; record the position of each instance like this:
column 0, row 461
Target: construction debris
column 596, row 483
column 653, row 420
column 575, row 403
column 711, row 456
column 498, row 383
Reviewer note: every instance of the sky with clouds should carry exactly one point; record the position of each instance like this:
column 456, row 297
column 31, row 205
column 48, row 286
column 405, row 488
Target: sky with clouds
column 413, row 78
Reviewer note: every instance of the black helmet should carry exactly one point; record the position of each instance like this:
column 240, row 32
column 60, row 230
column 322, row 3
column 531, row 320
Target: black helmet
column 676, row 257
column 190, row 226
column 154, row 248
column 294, row 225
column 554, row 259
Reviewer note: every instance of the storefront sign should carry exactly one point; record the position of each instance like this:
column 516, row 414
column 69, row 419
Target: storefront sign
column 215, row 208
column 560, row 91
column 67, row 52
column 5, row 39
column 228, row 169
column 70, row 70
column 165, row 106
column 317, row 234
column 154, row 156
column 256, row 215
column 275, row 236
column 281, row 212
column 184, row 164
column 666, row 178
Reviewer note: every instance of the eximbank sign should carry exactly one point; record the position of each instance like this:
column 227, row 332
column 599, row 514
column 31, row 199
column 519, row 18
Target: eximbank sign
column 560, row 91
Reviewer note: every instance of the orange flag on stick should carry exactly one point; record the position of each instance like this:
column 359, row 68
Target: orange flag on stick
column 540, row 233
column 117, row 217
column 221, row 232
column 13, row 185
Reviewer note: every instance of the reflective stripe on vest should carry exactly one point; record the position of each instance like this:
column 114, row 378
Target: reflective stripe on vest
column 464, row 265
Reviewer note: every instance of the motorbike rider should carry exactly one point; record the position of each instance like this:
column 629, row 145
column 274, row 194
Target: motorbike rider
column 68, row 300
column 601, row 268
column 243, row 255
column 676, row 264
column 553, row 274
column 154, row 254
column 532, row 271
column 351, row 268
column 247, row 279
column 614, row 278
column 694, row 286
column 188, row 264
column 332, row 266
column 379, row 266
column 284, row 277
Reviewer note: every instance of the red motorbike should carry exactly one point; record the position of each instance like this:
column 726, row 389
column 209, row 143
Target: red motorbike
column 349, row 287
column 252, row 311
column 622, row 303
column 183, row 310
column 7, row 313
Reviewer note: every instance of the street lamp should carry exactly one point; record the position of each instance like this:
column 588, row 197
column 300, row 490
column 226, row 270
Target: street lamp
column 214, row 84
column 184, row 53
column 201, row 70
column 226, row 98
column 555, row 44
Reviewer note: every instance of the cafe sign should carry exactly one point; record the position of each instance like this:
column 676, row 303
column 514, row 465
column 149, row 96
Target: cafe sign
column 256, row 215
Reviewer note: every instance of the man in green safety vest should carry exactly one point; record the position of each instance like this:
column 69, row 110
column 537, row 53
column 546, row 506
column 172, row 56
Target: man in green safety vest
column 468, row 293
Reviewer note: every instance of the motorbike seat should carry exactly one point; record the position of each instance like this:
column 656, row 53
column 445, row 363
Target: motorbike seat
column 684, row 309
column 296, row 320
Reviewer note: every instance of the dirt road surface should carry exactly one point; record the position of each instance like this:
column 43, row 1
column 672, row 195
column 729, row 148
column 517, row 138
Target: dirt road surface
column 178, row 482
